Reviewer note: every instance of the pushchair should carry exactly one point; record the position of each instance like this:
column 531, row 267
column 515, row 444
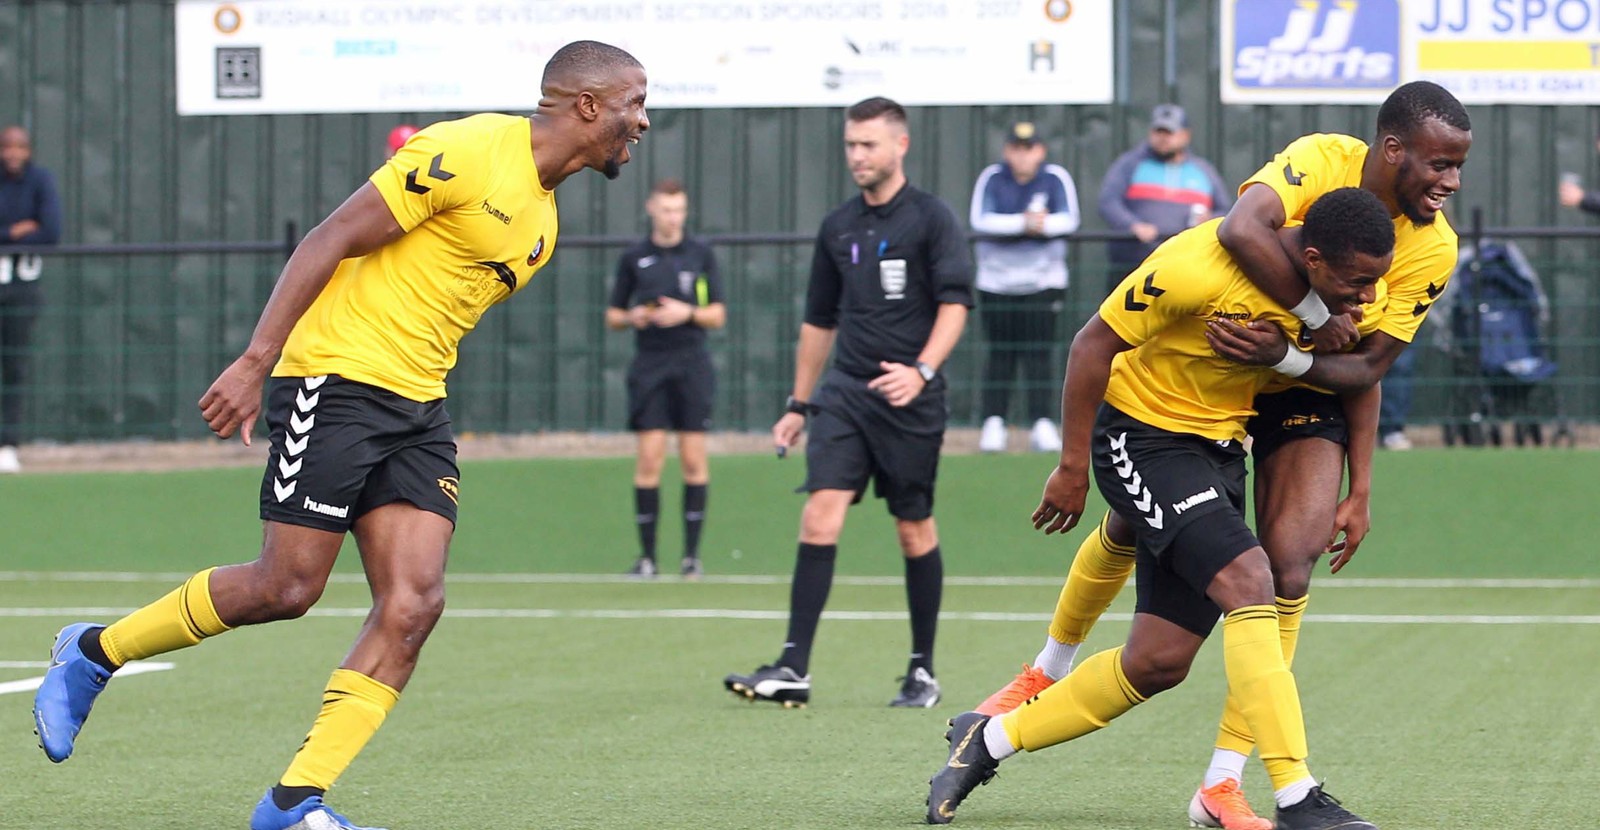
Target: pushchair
column 1495, row 339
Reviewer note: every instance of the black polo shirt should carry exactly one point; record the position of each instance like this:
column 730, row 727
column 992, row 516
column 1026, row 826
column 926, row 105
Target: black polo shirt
column 686, row 271
column 879, row 275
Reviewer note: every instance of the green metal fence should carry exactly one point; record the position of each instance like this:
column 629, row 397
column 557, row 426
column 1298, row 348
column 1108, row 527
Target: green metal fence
column 127, row 343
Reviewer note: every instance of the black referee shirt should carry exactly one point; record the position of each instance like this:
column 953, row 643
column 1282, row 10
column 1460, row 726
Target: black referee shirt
column 879, row 275
column 687, row 271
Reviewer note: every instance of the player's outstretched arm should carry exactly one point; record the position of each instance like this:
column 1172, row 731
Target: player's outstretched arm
column 1088, row 373
column 1250, row 236
column 359, row 226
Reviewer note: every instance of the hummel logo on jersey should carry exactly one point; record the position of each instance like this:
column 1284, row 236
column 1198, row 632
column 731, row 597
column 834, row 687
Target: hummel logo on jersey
column 435, row 170
column 505, row 218
column 1434, row 291
column 326, row 509
column 1421, row 309
column 1199, row 498
column 1150, row 290
column 1290, row 176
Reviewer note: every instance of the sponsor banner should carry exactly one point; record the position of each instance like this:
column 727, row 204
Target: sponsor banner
column 1502, row 52
column 297, row 56
column 1310, row 51
column 1356, row 51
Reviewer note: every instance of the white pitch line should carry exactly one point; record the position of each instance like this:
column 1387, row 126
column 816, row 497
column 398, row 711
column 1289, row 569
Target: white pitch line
column 775, row 579
column 852, row 616
column 138, row 667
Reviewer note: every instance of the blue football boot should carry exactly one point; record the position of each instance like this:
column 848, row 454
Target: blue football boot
column 67, row 693
column 310, row 814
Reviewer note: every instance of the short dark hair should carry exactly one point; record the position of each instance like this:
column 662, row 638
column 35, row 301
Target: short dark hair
column 586, row 60
column 667, row 187
column 1410, row 105
column 1348, row 221
column 878, row 107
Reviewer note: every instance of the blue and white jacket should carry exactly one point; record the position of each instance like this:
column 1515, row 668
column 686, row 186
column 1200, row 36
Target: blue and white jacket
column 1023, row 264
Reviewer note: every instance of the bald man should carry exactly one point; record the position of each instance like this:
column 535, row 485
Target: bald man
column 30, row 214
column 357, row 338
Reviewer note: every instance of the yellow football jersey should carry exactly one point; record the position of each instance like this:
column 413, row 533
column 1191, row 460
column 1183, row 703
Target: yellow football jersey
column 478, row 226
column 1172, row 379
column 1424, row 255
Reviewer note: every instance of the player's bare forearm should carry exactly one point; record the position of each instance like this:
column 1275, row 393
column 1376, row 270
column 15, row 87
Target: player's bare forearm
column 1356, row 371
column 617, row 319
column 1361, row 417
column 1250, row 235
column 360, row 226
column 947, row 327
column 810, row 356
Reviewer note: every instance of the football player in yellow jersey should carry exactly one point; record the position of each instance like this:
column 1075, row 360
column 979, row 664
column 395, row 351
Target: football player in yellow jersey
column 358, row 336
column 1165, row 449
column 1414, row 165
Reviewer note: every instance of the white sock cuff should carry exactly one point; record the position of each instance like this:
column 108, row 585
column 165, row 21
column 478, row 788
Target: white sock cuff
column 1055, row 659
column 1225, row 764
column 996, row 740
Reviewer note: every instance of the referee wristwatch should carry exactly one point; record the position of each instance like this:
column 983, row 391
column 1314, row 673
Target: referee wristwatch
column 797, row 406
column 927, row 372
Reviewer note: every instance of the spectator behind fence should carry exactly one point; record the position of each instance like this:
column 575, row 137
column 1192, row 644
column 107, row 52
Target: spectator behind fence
column 398, row 138
column 1021, row 282
column 1572, row 193
column 669, row 292
column 1156, row 190
column 30, row 214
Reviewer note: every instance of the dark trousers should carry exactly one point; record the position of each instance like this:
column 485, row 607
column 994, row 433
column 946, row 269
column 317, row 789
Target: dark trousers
column 1019, row 332
column 19, row 310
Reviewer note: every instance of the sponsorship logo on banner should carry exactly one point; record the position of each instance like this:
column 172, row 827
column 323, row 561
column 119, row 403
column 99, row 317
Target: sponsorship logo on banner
column 1501, row 52
column 1310, row 50
column 289, row 56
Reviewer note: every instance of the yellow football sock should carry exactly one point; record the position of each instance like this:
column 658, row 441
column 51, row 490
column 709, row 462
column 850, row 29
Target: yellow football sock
column 1098, row 572
column 353, row 707
column 1260, row 680
column 1234, row 733
column 178, row 620
column 1086, row 700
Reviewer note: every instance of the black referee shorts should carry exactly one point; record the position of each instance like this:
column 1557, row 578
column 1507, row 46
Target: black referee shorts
column 1293, row 414
column 341, row 449
column 1184, row 496
column 671, row 390
column 855, row 435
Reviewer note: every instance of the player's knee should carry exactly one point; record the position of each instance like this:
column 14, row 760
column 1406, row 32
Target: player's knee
column 291, row 598
column 412, row 613
column 1293, row 581
column 821, row 522
column 916, row 537
column 1153, row 671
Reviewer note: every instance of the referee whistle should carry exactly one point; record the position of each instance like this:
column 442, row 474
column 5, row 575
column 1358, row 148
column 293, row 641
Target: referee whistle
column 783, row 452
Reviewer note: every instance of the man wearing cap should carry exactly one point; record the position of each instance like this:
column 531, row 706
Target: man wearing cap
column 1024, row 207
column 1157, row 189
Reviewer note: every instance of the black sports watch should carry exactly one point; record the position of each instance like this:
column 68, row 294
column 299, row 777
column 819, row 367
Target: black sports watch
column 927, row 372
column 797, row 406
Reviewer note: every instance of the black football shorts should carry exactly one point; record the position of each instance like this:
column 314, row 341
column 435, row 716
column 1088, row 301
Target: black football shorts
column 1184, row 496
column 341, row 449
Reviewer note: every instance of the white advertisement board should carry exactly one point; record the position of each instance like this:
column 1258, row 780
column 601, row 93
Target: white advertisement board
column 298, row 56
column 1355, row 51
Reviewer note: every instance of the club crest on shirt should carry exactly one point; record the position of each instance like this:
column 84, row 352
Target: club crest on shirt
column 538, row 251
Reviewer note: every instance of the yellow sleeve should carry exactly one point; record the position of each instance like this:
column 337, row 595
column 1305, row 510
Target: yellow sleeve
column 1148, row 301
column 1414, row 285
column 1299, row 174
column 435, row 171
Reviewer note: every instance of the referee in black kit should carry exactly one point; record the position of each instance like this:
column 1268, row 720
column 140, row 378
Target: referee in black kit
column 891, row 282
column 668, row 290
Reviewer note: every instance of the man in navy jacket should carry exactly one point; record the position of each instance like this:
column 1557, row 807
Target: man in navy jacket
column 30, row 214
